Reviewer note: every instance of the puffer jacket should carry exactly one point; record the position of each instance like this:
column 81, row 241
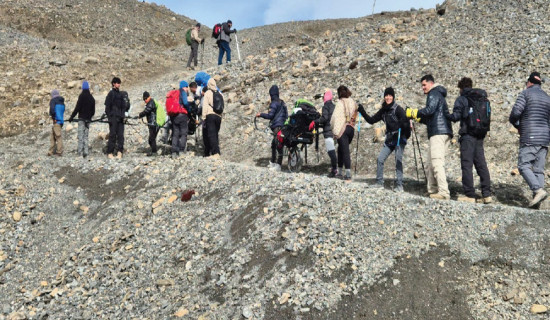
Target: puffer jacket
column 532, row 110
column 278, row 112
column 150, row 111
column 225, row 34
column 114, row 104
column 326, row 116
column 434, row 114
column 344, row 115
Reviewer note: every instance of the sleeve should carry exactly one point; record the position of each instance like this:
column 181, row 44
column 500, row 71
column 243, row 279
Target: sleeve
column 458, row 109
column 371, row 120
column 226, row 29
column 324, row 116
column 518, row 109
column 183, row 99
column 431, row 106
column 52, row 109
column 92, row 107
column 272, row 112
column 77, row 108
column 109, row 103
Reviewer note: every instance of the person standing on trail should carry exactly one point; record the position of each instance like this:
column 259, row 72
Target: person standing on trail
column 278, row 113
column 472, row 152
column 342, row 124
column 180, row 122
column 211, row 121
column 85, row 109
column 195, row 41
column 115, row 109
column 224, row 40
column 440, row 132
column 151, row 113
column 57, row 110
column 531, row 116
column 324, row 122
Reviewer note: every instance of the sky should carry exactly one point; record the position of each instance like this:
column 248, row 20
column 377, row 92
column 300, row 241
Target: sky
column 253, row 13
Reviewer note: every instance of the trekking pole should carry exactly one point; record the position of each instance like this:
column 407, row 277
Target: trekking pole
column 415, row 160
column 419, row 152
column 202, row 55
column 358, row 137
column 238, row 50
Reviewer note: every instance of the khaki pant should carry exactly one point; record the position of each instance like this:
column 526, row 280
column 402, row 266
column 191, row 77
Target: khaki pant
column 437, row 179
column 56, row 142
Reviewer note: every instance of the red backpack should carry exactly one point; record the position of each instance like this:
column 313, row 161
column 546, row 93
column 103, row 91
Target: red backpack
column 173, row 107
column 216, row 30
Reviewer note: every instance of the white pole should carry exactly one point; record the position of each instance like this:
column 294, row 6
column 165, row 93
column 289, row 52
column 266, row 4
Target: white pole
column 238, row 50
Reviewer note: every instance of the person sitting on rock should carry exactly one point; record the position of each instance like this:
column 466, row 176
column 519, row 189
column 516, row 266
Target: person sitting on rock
column 342, row 124
column 398, row 130
column 85, row 109
column 57, row 110
column 151, row 113
column 324, row 122
column 278, row 113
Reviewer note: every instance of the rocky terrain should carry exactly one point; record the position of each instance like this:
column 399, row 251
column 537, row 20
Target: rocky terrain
column 100, row 238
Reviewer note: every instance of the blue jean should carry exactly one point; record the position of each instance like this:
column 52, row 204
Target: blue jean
column 384, row 154
column 224, row 48
column 531, row 161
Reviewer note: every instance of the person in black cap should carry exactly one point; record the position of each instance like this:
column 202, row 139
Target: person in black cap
column 398, row 130
column 531, row 116
column 195, row 41
column 115, row 109
column 151, row 113
column 224, row 40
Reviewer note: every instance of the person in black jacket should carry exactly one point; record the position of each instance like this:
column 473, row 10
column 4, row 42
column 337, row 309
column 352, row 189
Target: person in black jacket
column 472, row 152
column 278, row 114
column 397, row 133
column 440, row 133
column 151, row 113
column 85, row 109
column 223, row 41
column 324, row 122
column 115, row 110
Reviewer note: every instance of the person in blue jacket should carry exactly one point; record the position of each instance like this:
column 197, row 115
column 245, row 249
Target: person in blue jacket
column 57, row 111
column 278, row 114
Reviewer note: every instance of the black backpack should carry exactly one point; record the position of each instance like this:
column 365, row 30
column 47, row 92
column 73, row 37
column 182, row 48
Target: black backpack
column 125, row 101
column 218, row 103
column 478, row 113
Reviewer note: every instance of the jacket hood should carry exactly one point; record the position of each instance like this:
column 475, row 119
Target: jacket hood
column 58, row 100
column 274, row 92
column 55, row 94
column 212, row 84
column 441, row 89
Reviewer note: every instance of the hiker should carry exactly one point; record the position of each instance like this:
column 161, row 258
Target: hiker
column 398, row 130
column 116, row 110
column 278, row 114
column 472, row 152
column 85, row 109
column 440, row 132
column 224, row 40
column 151, row 113
column 342, row 124
column 180, row 122
column 211, row 121
column 57, row 110
column 324, row 122
column 530, row 115
column 195, row 97
column 195, row 41
column 167, row 135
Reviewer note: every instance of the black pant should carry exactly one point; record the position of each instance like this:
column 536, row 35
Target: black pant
column 194, row 53
column 116, row 135
column 210, row 131
column 153, row 131
column 179, row 132
column 473, row 154
column 344, row 156
column 276, row 148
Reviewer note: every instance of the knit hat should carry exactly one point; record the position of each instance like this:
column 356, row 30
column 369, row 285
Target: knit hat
column 85, row 85
column 389, row 91
column 229, row 22
column 328, row 96
column 146, row 95
column 535, row 78
column 55, row 93
column 198, row 25
column 183, row 84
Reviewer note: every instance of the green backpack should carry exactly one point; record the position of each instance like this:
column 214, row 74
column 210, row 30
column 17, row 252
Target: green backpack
column 161, row 114
column 188, row 37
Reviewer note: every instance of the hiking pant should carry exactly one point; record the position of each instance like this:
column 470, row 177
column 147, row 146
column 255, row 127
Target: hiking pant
column 153, row 131
column 180, row 125
column 344, row 156
column 329, row 144
column 437, row 179
column 384, row 154
column 276, row 148
column 531, row 162
column 167, row 128
column 83, row 130
column 224, row 47
column 194, row 55
column 116, row 135
column 56, row 140
column 210, row 131
column 473, row 154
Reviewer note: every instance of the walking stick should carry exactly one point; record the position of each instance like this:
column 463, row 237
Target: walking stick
column 415, row 160
column 419, row 151
column 238, row 50
column 358, row 137
column 202, row 55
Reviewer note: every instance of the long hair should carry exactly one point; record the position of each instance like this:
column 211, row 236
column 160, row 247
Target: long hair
column 343, row 92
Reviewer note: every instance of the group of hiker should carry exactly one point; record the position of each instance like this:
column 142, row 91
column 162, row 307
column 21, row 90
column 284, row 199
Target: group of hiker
column 221, row 33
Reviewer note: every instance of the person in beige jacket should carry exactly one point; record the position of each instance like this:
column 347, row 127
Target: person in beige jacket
column 195, row 41
column 211, row 121
column 342, row 124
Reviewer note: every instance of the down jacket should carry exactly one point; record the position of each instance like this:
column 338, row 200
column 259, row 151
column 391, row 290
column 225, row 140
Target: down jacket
column 532, row 110
column 434, row 114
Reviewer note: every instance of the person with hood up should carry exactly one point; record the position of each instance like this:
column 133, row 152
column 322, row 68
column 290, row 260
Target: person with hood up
column 151, row 113
column 57, row 110
column 397, row 133
column 324, row 122
column 342, row 124
column 278, row 113
column 440, row 133
column 85, row 109
column 211, row 122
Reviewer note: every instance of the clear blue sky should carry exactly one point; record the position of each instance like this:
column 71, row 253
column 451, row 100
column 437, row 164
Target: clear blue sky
column 252, row 13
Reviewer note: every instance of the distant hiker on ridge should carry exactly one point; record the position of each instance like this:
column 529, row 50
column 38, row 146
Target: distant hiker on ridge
column 195, row 41
column 224, row 40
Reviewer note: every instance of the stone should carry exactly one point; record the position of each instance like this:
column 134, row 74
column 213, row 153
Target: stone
column 182, row 312
column 164, row 283
column 91, row 60
column 387, row 28
column 520, row 298
column 172, row 198
column 17, row 216
column 247, row 313
column 538, row 309
column 284, row 298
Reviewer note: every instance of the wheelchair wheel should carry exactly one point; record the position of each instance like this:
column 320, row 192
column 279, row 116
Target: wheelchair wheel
column 294, row 160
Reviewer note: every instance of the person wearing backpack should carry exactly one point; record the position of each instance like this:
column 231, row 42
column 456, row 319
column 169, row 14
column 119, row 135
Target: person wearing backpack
column 324, row 122
column 398, row 130
column 467, row 109
column 57, row 110
column 151, row 113
column 440, row 133
column 212, row 119
column 278, row 113
column 223, row 41
column 195, row 41
column 531, row 116
column 85, row 109
column 116, row 109
column 180, row 121
column 342, row 124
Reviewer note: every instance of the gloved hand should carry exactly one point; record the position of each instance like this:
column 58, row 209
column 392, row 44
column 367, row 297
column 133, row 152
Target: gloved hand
column 311, row 125
column 411, row 113
column 141, row 115
column 126, row 114
column 235, row 30
column 202, row 41
column 361, row 109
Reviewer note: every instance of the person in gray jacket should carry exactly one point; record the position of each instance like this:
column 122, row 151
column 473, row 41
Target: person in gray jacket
column 224, row 40
column 531, row 116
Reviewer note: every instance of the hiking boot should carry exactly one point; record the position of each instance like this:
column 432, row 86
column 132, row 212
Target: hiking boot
column 119, row 155
column 339, row 176
column 486, row 200
column 377, row 186
column 438, row 196
column 333, row 173
column 398, row 189
column 50, row 154
column 276, row 167
column 346, row 178
column 466, row 199
column 540, row 195
column 110, row 156
column 271, row 165
column 175, row 155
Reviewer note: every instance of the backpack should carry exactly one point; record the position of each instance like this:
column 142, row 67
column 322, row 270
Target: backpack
column 188, row 37
column 161, row 114
column 201, row 78
column 173, row 107
column 478, row 119
column 218, row 103
column 216, row 30
column 125, row 101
